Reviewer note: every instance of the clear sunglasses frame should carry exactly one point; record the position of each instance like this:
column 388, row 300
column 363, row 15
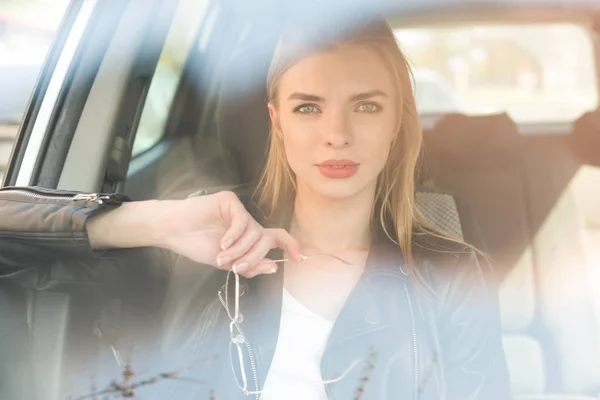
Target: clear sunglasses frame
column 239, row 347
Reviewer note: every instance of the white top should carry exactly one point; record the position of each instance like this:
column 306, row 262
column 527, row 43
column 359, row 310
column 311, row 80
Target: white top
column 295, row 372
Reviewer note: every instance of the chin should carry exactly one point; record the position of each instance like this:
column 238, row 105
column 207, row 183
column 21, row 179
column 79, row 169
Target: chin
column 337, row 189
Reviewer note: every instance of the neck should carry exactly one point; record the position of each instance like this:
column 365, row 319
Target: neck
column 332, row 225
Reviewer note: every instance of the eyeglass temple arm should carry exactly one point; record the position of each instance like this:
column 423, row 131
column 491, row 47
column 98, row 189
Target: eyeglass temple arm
column 311, row 256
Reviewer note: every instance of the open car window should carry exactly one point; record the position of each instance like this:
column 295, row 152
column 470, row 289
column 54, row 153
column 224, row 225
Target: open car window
column 188, row 19
column 26, row 33
column 538, row 73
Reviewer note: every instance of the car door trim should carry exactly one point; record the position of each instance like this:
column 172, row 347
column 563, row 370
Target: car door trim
column 51, row 97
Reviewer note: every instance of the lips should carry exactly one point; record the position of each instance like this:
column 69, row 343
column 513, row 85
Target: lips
column 338, row 163
column 338, row 169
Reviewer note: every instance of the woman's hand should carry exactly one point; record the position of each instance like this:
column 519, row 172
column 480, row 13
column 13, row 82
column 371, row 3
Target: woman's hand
column 214, row 229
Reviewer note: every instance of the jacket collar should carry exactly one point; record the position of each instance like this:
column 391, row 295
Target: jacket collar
column 364, row 310
column 362, row 313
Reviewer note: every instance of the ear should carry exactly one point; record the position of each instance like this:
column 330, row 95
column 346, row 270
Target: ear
column 274, row 115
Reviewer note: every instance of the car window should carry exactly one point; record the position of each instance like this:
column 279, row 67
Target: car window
column 433, row 93
column 181, row 37
column 26, row 32
column 537, row 73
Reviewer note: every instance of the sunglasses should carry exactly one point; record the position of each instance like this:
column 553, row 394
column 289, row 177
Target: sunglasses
column 241, row 353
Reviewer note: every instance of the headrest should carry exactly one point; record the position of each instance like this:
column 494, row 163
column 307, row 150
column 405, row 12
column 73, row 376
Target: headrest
column 242, row 116
column 461, row 141
column 585, row 139
column 243, row 125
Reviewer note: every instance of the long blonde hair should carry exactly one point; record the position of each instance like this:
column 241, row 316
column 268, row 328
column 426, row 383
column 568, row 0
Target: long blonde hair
column 395, row 193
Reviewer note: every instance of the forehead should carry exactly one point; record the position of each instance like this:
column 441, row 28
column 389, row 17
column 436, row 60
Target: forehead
column 344, row 70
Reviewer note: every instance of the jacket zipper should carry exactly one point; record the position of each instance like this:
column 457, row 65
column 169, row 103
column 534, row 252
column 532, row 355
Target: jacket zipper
column 415, row 348
column 248, row 347
column 65, row 195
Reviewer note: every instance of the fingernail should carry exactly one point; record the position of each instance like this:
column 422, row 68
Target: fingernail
column 273, row 270
column 225, row 245
column 240, row 267
column 223, row 260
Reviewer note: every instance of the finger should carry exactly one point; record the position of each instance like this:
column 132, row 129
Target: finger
column 283, row 240
column 241, row 246
column 225, row 266
column 262, row 269
column 256, row 254
column 240, row 219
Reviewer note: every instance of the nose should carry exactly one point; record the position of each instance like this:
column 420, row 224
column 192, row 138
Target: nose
column 337, row 130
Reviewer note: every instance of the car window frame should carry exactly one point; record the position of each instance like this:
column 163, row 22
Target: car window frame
column 39, row 92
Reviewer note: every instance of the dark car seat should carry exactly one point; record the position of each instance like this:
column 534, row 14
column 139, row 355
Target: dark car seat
column 485, row 162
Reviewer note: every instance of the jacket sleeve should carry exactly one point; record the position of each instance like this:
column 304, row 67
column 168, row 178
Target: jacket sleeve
column 44, row 246
column 470, row 332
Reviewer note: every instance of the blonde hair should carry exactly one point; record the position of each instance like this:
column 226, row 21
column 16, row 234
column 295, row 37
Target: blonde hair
column 395, row 193
column 186, row 314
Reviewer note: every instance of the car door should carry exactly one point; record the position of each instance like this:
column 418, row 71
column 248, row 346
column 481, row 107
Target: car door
column 77, row 133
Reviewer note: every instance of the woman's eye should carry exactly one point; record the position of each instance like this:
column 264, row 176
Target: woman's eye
column 369, row 108
column 306, row 109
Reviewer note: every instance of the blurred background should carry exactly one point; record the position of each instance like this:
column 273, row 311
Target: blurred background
column 524, row 69
column 27, row 28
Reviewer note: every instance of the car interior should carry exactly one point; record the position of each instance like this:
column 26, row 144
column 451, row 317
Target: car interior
column 528, row 195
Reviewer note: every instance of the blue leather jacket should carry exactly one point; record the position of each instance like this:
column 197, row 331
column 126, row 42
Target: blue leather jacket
column 439, row 339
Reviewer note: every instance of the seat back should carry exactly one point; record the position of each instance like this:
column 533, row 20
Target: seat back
column 488, row 179
column 515, row 198
column 440, row 210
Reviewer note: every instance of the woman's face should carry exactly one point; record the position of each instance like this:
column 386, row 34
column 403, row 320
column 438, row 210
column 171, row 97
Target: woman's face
column 337, row 115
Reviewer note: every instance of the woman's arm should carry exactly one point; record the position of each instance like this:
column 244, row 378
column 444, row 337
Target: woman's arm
column 470, row 331
column 44, row 246
column 42, row 227
column 212, row 229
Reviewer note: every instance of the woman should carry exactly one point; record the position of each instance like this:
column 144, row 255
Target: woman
column 387, row 308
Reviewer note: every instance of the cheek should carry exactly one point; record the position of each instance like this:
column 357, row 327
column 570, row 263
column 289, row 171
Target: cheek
column 298, row 143
column 375, row 136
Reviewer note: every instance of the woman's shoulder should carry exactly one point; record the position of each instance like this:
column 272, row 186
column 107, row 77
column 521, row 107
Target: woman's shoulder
column 447, row 265
column 428, row 246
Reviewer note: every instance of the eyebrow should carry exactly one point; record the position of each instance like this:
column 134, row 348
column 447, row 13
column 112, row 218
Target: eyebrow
column 356, row 97
column 305, row 97
column 368, row 95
